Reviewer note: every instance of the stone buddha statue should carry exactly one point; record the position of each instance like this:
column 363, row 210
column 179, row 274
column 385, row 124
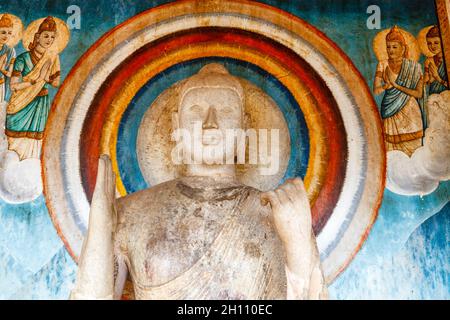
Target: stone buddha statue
column 204, row 235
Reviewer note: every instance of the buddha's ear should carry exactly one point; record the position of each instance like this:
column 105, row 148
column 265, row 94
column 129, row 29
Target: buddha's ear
column 175, row 121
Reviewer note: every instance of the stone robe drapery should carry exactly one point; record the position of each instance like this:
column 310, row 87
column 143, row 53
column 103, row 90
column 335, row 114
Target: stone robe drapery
column 192, row 244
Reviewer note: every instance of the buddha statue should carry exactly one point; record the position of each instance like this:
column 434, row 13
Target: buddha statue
column 203, row 235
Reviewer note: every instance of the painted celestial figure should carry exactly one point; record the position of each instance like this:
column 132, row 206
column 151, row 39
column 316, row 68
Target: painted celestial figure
column 203, row 235
column 435, row 72
column 400, row 78
column 10, row 31
column 34, row 72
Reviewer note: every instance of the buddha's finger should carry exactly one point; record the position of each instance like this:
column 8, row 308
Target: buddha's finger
column 282, row 196
column 301, row 190
column 291, row 192
column 271, row 198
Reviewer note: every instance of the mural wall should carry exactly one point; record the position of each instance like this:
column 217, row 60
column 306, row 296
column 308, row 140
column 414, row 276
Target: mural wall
column 360, row 90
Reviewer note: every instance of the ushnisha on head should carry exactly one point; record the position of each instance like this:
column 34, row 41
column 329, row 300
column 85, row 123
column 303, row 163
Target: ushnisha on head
column 46, row 34
column 6, row 28
column 396, row 45
column 434, row 40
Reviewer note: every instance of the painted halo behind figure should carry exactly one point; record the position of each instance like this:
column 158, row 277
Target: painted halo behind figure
column 34, row 72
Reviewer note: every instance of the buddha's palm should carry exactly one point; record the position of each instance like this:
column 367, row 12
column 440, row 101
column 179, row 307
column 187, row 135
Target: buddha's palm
column 103, row 200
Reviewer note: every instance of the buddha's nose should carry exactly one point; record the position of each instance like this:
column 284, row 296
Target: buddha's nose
column 211, row 119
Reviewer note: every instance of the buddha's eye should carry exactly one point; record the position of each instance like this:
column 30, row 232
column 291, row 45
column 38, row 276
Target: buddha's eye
column 227, row 110
column 195, row 108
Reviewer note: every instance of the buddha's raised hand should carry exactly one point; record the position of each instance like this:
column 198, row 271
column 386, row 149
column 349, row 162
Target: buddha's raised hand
column 95, row 278
column 103, row 199
column 291, row 211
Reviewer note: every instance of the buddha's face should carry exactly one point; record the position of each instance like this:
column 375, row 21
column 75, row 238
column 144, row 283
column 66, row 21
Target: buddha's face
column 214, row 110
column 46, row 39
column 395, row 50
column 434, row 45
column 5, row 35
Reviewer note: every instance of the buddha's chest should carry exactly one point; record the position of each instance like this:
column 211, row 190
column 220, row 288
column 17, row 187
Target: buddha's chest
column 221, row 258
column 162, row 244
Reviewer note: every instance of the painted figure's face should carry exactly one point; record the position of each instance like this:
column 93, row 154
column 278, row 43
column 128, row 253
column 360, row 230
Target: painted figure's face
column 5, row 35
column 46, row 39
column 214, row 110
column 434, row 45
column 395, row 50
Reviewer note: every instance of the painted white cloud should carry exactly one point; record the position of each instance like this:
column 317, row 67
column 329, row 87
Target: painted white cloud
column 429, row 164
column 20, row 181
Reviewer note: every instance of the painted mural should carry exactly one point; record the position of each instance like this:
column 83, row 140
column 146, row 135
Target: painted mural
column 359, row 91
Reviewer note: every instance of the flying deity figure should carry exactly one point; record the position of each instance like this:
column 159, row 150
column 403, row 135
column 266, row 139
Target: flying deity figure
column 33, row 73
column 401, row 80
column 435, row 72
column 203, row 235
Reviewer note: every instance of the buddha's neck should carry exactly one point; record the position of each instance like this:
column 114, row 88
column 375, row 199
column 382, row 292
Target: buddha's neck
column 212, row 171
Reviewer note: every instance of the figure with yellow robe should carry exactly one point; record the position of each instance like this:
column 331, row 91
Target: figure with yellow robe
column 34, row 72
column 401, row 80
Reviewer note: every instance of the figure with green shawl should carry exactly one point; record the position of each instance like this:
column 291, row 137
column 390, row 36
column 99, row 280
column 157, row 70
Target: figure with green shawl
column 33, row 73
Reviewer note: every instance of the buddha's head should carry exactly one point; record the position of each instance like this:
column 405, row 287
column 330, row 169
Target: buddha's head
column 213, row 100
column 396, row 46
column 46, row 34
column 434, row 40
column 6, row 28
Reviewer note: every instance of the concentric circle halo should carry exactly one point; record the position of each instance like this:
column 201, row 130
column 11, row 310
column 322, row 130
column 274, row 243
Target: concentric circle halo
column 104, row 98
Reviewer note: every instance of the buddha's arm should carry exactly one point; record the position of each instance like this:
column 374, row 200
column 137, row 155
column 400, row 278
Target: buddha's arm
column 292, row 219
column 95, row 278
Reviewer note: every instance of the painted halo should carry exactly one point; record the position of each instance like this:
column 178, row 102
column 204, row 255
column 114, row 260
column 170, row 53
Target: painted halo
column 335, row 131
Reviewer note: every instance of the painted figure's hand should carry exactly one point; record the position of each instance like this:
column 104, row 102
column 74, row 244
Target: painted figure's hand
column 45, row 71
column 390, row 77
column 3, row 62
column 103, row 199
column 434, row 72
column 291, row 212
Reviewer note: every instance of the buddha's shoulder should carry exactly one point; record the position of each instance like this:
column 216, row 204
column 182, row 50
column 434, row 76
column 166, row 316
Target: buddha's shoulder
column 147, row 197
